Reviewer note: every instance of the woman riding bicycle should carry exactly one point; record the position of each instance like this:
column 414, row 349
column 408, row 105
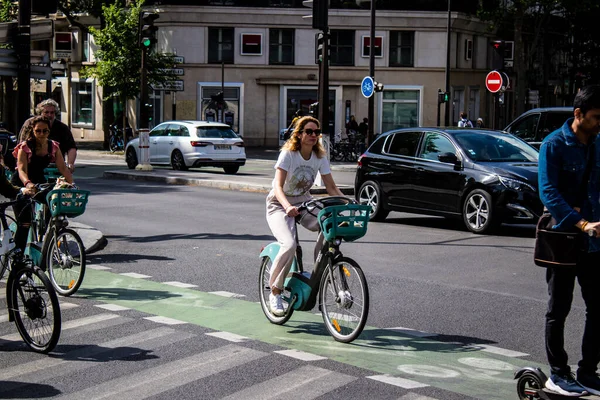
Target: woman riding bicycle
column 301, row 157
column 33, row 155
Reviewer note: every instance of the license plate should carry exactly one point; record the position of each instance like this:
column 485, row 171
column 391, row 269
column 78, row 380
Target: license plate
column 222, row 147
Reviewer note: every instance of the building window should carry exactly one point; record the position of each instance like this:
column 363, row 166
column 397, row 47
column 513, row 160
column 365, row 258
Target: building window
column 468, row 49
column 401, row 109
column 220, row 45
column 366, row 46
column 85, row 56
column 341, row 47
column 82, row 109
column 402, row 48
column 281, row 46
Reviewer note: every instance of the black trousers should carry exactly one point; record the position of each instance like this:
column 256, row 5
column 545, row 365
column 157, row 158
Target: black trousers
column 561, row 283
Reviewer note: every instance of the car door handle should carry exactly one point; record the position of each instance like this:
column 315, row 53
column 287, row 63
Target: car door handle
column 420, row 169
column 171, row 142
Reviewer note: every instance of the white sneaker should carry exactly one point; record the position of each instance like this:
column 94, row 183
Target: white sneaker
column 276, row 304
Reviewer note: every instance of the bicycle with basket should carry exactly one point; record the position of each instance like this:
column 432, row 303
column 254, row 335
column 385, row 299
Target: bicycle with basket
column 337, row 282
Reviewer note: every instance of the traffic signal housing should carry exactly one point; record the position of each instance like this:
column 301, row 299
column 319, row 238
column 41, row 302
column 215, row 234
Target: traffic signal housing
column 377, row 86
column 320, row 10
column 443, row 97
column 147, row 30
column 320, row 46
column 498, row 54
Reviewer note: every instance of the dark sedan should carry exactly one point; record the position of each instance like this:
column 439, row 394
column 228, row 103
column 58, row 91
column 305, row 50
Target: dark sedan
column 483, row 177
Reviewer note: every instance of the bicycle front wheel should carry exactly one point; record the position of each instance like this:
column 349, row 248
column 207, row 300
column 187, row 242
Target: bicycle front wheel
column 344, row 300
column 65, row 261
column 264, row 289
column 34, row 306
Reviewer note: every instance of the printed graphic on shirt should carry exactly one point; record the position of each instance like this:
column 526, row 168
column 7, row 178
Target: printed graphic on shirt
column 301, row 181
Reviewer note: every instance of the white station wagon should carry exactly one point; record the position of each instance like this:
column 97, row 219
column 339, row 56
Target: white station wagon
column 191, row 144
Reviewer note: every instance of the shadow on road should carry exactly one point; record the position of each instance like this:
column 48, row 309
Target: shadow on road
column 31, row 391
column 123, row 258
column 209, row 236
column 124, row 294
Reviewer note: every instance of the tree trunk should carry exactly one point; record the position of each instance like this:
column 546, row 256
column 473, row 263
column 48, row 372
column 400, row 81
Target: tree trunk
column 520, row 87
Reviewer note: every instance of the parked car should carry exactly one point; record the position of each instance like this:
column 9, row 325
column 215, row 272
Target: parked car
column 191, row 144
column 484, row 177
column 534, row 125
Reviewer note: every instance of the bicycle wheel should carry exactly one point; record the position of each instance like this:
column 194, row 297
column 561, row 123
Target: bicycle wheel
column 113, row 144
column 34, row 306
column 65, row 261
column 344, row 300
column 264, row 289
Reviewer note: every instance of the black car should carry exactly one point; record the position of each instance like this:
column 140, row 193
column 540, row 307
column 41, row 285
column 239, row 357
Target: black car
column 484, row 177
column 534, row 125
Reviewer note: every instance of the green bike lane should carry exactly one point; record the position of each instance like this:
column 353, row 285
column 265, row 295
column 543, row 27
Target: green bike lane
column 471, row 370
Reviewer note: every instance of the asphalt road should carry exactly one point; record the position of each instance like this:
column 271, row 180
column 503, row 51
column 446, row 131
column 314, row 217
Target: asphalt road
column 452, row 314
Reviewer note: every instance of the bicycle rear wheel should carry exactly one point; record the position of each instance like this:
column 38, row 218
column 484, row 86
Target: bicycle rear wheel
column 264, row 289
column 65, row 261
column 344, row 300
column 34, row 306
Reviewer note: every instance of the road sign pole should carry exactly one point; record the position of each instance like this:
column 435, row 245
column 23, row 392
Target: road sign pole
column 371, row 104
column 144, row 132
column 24, row 61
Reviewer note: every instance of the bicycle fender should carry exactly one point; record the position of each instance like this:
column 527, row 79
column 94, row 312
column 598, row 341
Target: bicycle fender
column 271, row 251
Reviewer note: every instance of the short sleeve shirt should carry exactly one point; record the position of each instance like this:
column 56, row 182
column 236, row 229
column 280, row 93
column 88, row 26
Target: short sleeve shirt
column 301, row 173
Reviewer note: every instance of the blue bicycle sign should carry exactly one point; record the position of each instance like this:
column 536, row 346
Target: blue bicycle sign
column 367, row 87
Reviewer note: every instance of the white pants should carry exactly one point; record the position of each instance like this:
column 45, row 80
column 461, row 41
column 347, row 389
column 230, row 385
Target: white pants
column 284, row 230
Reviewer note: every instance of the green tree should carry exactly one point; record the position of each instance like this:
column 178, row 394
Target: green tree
column 118, row 65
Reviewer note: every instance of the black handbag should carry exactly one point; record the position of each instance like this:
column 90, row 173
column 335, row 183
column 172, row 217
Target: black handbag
column 560, row 248
column 556, row 248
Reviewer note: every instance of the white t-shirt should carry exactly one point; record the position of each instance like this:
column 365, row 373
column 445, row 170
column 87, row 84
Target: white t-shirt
column 301, row 173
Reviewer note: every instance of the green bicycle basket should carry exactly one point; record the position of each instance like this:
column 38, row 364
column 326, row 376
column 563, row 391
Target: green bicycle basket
column 68, row 202
column 348, row 222
column 51, row 173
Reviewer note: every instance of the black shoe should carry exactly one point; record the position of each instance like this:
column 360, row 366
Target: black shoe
column 591, row 382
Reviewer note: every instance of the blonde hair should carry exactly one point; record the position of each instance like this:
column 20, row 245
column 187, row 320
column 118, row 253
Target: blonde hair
column 294, row 143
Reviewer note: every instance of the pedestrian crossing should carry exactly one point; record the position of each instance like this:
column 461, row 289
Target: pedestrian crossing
column 108, row 352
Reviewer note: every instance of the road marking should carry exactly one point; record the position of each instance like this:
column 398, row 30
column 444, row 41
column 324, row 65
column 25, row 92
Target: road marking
column 300, row 355
column 112, row 307
column 497, row 350
column 165, row 320
column 135, row 275
column 412, row 332
column 397, row 381
column 4, row 318
column 228, row 294
column 154, row 381
column 307, row 382
column 98, row 267
column 80, row 358
column 415, row 396
column 232, row 337
column 67, row 306
column 180, row 284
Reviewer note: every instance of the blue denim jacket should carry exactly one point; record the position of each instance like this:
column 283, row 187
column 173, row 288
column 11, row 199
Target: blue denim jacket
column 562, row 163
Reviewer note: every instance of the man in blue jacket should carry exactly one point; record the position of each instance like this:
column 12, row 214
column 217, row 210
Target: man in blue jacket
column 570, row 190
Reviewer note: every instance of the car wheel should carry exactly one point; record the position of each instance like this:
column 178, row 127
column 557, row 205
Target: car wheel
column 177, row 161
column 231, row 170
column 370, row 195
column 131, row 158
column 478, row 212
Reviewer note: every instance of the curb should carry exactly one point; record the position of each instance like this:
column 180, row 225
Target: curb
column 225, row 185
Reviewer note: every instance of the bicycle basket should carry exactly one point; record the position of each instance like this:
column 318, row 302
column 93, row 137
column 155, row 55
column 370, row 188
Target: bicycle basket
column 51, row 173
column 348, row 222
column 67, row 202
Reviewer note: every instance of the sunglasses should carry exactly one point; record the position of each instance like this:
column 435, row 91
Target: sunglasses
column 312, row 131
column 42, row 130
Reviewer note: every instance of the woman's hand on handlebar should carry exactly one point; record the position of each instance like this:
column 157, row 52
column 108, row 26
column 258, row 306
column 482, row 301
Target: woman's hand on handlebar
column 292, row 211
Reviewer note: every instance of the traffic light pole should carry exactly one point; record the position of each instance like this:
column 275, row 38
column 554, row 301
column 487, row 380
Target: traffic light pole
column 144, row 130
column 24, row 62
column 324, row 114
column 371, row 104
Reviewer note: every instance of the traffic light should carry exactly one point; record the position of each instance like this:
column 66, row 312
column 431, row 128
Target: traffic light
column 320, row 10
column 313, row 109
column 320, row 46
column 377, row 86
column 497, row 54
column 443, row 97
column 147, row 30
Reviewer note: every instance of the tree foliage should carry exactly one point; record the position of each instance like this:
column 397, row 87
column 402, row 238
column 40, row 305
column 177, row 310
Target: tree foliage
column 119, row 54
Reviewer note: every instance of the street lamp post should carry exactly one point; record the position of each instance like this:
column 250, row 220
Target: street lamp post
column 371, row 111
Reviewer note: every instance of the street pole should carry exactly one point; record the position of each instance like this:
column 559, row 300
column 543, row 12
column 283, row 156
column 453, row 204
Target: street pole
column 323, row 100
column 24, row 62
column 448, row 44
column 144, row 131
column 371, row 111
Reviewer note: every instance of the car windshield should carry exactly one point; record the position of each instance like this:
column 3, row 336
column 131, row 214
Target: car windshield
column 495, row 147
column 216, row 132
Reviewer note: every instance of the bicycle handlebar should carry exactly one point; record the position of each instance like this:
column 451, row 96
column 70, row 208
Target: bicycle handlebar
column 325, row 202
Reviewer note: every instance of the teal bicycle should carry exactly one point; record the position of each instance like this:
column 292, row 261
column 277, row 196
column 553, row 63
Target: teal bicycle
column 337, row 282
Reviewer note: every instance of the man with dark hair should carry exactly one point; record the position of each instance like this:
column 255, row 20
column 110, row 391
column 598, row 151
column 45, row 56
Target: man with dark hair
column 569, row 184
column 59, row 132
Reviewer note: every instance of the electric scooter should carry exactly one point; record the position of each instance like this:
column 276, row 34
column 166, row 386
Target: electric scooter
column 530, row 385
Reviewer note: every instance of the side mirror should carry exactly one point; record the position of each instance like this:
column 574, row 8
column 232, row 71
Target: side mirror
column 448, row 157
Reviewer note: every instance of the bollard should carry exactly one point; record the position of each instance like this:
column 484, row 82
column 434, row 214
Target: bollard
column 144, row 144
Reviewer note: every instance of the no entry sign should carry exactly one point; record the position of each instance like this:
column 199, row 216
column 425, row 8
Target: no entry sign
column 493, row 81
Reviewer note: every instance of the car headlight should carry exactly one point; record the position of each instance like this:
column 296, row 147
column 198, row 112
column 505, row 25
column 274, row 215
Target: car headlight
column 515, row 184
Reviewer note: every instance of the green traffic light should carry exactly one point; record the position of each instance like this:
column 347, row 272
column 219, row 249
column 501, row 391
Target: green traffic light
column 147, row 42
